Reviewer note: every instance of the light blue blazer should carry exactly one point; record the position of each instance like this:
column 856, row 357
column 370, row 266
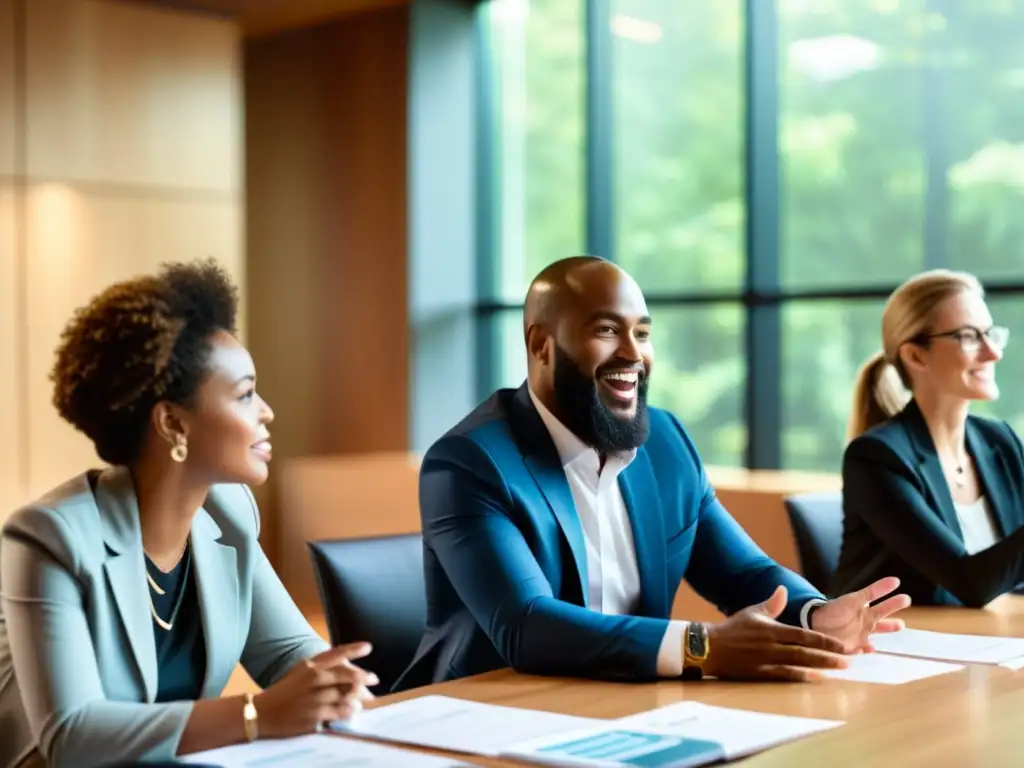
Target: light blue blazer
column 78, row 669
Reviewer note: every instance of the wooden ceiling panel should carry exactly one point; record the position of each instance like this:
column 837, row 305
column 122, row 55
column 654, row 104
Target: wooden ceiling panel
column 264, row 17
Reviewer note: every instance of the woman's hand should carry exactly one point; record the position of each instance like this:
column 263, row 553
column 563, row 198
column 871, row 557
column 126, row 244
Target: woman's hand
column 324, row 688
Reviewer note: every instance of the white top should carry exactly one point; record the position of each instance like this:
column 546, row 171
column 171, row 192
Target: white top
column 978, row 525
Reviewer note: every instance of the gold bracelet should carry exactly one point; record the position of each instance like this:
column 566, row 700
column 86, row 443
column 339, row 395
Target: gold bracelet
column 252, row 731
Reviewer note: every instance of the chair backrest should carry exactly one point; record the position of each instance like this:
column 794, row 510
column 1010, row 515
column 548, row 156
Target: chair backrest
column 372, row 589
column 817, row 522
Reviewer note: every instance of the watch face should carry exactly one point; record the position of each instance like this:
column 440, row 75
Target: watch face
column 696, row 640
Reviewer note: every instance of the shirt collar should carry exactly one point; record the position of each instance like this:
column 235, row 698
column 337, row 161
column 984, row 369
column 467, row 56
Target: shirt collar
column 570, row 448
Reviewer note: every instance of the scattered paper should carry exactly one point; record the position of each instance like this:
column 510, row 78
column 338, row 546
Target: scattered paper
column 455, row 725
column 319, row 751
column 887, row 669
column 738, row 731
column 969, row 649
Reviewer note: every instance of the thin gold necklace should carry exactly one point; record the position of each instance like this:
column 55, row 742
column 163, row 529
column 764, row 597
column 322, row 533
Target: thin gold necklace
column 183, row 584
column 153, row 584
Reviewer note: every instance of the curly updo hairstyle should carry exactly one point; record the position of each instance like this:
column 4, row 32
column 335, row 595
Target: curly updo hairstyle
column 137, row 343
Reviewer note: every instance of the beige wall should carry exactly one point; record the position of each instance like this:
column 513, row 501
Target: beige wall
column 131, row 135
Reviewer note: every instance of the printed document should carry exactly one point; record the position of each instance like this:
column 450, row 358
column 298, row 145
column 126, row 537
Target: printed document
column 612, row 747
column 738, row 731
column 456, row 725
column 680, row 735
column 684, row 734
column 316, row 751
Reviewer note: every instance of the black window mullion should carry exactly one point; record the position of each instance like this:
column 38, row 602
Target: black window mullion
column 600, row 191
column 488, row 248
column 763, row 397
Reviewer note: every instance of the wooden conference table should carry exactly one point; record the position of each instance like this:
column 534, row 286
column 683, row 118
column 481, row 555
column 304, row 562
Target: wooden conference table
column 974, row 717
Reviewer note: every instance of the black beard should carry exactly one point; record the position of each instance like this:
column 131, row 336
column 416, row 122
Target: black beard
column 583, row 411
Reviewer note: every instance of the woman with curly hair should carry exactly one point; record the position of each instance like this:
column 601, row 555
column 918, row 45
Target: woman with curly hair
column 130, row 594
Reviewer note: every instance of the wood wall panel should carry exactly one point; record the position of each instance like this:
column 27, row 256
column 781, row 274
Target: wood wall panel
column 327, row 245
column 12, row 445
column 367, row 363
column 128, row 121
column 7, row 88
column 326, row 238
column 78, row 243
column 11, row 432
column 126, row 94
column 287, row 146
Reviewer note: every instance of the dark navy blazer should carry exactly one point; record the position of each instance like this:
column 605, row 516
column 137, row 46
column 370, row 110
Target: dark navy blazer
column 505, row 562
column 899, row 517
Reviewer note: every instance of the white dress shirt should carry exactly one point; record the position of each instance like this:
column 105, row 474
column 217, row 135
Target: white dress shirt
column 613, row 576
column 612, row 571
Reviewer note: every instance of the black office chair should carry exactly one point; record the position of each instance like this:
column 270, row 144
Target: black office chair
column 372, row 589
column 817, row 522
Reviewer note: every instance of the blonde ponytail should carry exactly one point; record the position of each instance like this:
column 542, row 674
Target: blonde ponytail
column 878, row 395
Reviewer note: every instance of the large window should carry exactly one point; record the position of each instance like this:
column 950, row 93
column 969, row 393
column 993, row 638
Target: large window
column 677, row 143
column 852, row 161
column 768, row 170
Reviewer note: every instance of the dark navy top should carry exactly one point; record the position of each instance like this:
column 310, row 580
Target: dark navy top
column 180, row 651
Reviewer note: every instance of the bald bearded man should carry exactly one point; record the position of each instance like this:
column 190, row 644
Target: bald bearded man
column 559, row 519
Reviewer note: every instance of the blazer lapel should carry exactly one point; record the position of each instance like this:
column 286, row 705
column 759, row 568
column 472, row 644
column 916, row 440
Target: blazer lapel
column 931, row 467
column 541, row 459
column 993, row 475
column 216, row 574
column 552, row 483
column 126, row 569
column 640, row 492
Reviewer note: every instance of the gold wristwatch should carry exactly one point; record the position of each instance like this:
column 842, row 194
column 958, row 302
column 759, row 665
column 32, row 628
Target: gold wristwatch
column 695, row 650
column 249, row 714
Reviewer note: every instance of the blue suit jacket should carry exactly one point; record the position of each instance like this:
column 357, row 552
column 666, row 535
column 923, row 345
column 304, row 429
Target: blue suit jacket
column 505, row 563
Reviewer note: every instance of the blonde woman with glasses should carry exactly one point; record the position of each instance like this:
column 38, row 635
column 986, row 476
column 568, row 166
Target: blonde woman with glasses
column 933, row 494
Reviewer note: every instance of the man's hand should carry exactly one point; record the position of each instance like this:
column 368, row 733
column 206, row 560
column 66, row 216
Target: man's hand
column 851, row 618
column 752, row 644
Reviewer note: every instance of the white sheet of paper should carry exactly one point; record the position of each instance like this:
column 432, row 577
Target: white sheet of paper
column 442, row 722
column 739, row 731
column 1013, row 664
column 317, row 751
column 890, row 670
column 969, row 649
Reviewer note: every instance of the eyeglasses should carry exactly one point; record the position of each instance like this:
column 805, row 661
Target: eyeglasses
column 970, row 338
